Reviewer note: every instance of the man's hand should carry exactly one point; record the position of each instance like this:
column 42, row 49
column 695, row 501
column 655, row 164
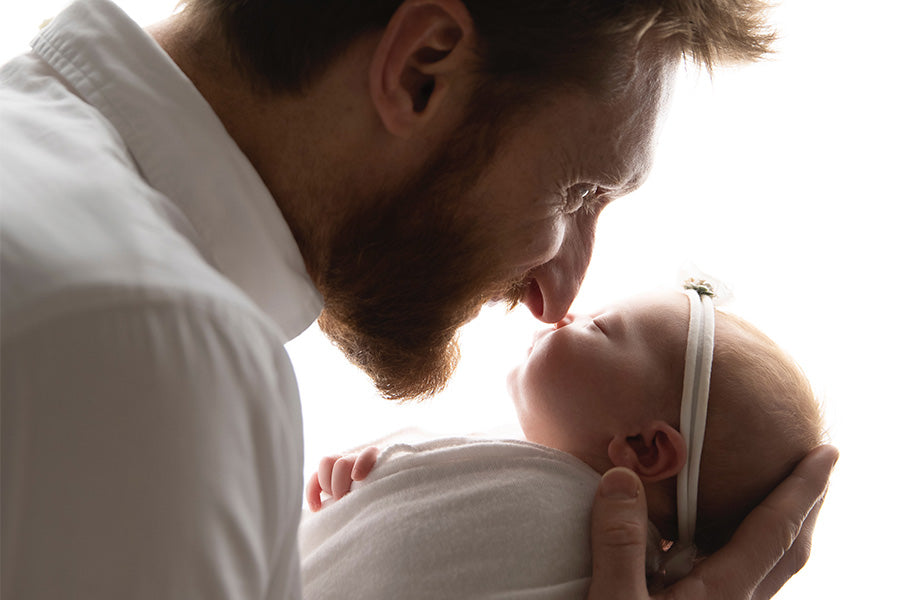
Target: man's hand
column 769, row 547
column 335, row 475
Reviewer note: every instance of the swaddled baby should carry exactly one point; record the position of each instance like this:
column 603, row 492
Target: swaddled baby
column 653, row 384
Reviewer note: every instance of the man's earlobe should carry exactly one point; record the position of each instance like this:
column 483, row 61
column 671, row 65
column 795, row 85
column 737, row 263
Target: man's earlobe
column 423, row 46
column 656, row 453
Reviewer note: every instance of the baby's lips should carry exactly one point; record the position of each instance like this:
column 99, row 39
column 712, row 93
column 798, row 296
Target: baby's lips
column 540, row 333
column 545, row 331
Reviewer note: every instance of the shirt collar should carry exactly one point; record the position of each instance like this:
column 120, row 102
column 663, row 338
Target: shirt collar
column 183, row 150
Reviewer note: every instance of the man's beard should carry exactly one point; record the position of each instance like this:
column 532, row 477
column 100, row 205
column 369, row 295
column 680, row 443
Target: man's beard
column 406, row 272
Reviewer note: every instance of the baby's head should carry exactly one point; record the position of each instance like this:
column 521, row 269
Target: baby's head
column 607, row 388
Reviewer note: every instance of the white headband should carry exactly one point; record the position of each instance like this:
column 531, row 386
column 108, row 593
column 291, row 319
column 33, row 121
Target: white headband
column 694, row 400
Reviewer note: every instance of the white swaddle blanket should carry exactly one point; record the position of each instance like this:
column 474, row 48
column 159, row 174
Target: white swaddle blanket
column 456, row 518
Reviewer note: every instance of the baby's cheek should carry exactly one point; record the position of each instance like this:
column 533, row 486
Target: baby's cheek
column 531, row 408
column 538, row 430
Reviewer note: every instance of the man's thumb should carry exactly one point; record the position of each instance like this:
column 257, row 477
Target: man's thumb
column 619, row 537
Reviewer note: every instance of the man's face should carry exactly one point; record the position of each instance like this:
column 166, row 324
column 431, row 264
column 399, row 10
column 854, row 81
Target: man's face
column 476, row 223
column 542, row 196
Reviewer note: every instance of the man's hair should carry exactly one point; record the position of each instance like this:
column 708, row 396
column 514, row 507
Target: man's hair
column 531, row 45
column 763, row 419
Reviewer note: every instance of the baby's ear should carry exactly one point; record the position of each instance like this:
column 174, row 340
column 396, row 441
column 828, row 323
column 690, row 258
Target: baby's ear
column 656, row 453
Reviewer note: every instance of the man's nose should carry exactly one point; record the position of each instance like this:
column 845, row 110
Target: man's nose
column 555, row 284
column 553, row 288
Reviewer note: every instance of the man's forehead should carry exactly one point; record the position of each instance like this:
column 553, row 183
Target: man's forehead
column 613, row 142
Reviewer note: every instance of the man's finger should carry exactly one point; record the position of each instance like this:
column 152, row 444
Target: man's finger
column 769, row 533
column 619, row 538
column 793, row 561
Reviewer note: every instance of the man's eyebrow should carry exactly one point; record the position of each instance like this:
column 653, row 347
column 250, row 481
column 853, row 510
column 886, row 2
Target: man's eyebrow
column 634, row 182
column 614, row 192
column 618, row 184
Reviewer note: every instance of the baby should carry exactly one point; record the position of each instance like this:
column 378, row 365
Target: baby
column 652, row 384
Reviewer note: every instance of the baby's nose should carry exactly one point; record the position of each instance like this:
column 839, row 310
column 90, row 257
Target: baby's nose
column 566, row 320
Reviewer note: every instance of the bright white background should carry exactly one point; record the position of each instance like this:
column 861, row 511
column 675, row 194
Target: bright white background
column 778, row 178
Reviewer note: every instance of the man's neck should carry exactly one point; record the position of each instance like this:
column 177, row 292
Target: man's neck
column 291, row 139
column 321, row 151
column 250, row 115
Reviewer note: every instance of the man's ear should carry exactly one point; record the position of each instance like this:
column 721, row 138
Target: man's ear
column 424, row 43
column 656, row 453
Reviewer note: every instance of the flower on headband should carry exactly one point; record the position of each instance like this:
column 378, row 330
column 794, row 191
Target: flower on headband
column 701, row 286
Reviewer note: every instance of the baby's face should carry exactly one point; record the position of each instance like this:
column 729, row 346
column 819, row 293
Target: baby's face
column 594, row 376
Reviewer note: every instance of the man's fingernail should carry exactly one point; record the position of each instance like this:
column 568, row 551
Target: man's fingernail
column 619, row 485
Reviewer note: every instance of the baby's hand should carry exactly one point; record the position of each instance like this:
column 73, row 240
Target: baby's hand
column 336, row 473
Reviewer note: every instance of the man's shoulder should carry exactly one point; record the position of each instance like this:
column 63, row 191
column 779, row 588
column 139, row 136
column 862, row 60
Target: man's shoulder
column 49, row 287
column 42, row 114
column 81, row 228
column 86, row 255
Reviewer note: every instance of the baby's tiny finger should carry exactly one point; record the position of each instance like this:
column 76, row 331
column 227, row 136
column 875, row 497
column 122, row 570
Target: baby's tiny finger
column 340, row 476
column 314, row 493
column 326, row 466
column 364, row 463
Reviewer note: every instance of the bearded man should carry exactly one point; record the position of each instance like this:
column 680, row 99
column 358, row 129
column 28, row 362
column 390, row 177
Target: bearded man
column 179, row 202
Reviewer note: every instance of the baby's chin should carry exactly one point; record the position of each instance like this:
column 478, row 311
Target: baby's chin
column 513, row 386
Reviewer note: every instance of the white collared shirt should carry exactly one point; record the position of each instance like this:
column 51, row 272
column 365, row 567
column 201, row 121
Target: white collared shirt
column 151, row 427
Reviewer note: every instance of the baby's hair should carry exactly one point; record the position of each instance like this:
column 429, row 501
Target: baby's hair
column 763, row 419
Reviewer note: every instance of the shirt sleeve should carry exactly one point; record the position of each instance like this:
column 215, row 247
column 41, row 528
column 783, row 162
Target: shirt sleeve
column 150, row 451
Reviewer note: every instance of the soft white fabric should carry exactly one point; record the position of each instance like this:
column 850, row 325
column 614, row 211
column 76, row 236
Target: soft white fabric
column 151, row 427
column 456, row 518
